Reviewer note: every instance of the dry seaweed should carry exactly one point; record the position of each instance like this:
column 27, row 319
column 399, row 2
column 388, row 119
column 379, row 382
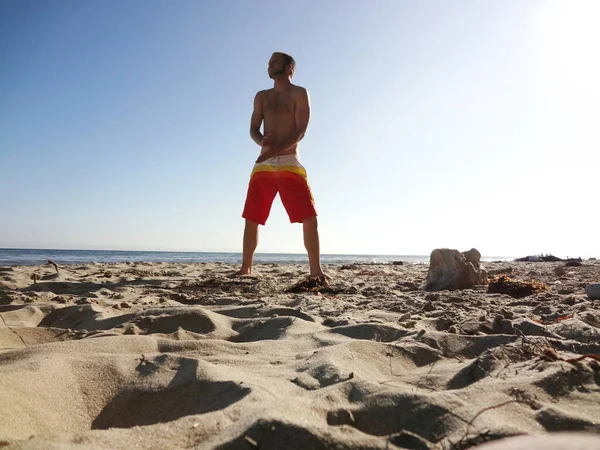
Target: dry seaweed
column 503, row 284
column 312, row 284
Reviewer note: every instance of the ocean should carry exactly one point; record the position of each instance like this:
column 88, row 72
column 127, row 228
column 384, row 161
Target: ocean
column 29, row 257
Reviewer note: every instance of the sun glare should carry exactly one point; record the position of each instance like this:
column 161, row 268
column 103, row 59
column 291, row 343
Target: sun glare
column 568, row 35
column 567, row 68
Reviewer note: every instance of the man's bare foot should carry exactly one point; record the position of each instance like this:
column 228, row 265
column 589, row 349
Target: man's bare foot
column 242, row 272
column 321, row 278
column 319, row 275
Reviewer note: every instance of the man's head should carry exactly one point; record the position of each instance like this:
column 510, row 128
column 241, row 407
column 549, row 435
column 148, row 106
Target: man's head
column 281, row 65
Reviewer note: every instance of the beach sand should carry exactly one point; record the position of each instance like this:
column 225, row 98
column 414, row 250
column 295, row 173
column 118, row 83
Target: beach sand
column 158, row 355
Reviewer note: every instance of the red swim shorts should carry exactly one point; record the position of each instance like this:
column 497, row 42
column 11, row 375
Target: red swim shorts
column 286, row 176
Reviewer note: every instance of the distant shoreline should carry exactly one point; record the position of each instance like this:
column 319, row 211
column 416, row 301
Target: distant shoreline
column 27, row 257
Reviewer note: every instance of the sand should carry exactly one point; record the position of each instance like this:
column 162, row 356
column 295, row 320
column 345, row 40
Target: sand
column 157, row 355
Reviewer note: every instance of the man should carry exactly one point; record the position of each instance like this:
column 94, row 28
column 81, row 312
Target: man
column 285, row 111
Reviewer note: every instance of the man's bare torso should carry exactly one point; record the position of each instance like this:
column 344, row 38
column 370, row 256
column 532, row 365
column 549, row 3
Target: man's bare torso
column 279, row 113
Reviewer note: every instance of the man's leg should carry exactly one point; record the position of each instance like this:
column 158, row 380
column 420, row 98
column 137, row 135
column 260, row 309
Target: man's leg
column 249, row 246
column 261, row 193
column 298, row 202
column 311, row 242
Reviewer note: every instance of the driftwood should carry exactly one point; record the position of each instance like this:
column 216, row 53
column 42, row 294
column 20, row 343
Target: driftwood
column 50, row 262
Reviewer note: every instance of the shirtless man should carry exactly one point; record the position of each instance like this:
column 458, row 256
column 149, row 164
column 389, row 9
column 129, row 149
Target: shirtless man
column 285, row 111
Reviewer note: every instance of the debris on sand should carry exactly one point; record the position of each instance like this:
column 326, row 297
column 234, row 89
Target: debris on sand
column 593, row 291
column 450, row 269
column 538, row 258
column 311, row 284
column 503, row 284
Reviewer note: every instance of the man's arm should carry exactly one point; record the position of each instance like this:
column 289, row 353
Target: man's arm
column 256, row 119
column 302, row 118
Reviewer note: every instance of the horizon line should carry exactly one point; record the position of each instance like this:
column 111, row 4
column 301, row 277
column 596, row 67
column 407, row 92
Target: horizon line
column 239, row 252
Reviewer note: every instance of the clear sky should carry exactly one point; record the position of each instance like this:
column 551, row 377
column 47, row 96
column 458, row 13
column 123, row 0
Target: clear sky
column 124, row 124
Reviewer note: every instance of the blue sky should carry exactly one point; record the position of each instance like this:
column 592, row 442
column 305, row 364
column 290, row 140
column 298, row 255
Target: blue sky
column 124, row 124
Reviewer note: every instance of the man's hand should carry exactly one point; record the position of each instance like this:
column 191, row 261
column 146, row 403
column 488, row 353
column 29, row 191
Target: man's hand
column 268, row 153
column 268, row 149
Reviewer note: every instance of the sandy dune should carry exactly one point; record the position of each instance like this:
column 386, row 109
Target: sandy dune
column 120, row 356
